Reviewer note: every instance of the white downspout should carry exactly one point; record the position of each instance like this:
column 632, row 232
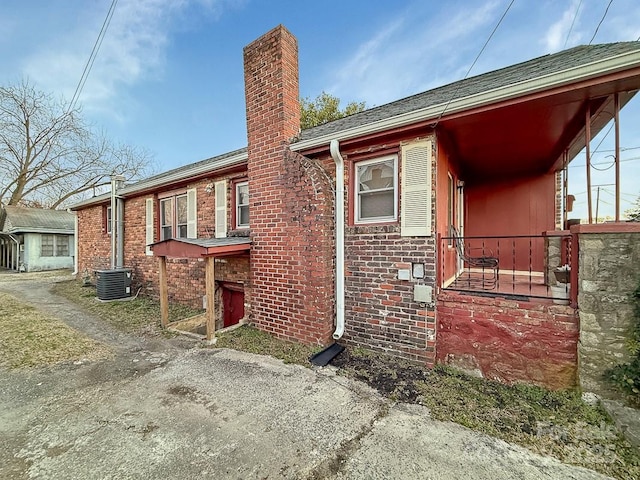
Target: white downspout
column 75, row 243
column 114, row 184
column 339, row 217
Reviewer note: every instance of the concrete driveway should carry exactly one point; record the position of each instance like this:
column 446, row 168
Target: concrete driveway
column 165, row 409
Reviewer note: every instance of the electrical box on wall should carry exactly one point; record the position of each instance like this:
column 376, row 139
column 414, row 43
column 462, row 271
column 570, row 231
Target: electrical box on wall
column 418, row 270
column 404, row 274
column 422, row 293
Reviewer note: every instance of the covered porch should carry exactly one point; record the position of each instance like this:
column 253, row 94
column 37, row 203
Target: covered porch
column 508, row 253
column 504, row 228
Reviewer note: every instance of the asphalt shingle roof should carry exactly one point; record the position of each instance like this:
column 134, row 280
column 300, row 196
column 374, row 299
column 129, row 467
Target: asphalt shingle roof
column 547, row 64
column 529, row 70
column 20, row 219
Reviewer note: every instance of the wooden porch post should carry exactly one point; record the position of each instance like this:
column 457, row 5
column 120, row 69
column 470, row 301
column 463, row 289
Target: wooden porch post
column 164, row 292
column 211, row 297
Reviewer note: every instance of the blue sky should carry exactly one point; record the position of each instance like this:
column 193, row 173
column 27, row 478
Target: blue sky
column 169, row 77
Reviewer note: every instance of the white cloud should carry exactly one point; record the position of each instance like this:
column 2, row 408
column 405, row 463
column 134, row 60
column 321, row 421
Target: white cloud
column 133, row 50
column 419, row 49
column 556, row 35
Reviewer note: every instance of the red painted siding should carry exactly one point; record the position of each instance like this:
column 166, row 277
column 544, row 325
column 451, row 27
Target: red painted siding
column 523, row 206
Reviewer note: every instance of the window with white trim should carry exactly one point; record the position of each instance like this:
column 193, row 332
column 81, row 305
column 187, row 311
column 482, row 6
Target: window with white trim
column 376, row 190
column 166, row 218
column 181, row 216
column 242, row 205
column 54, row 245
column 178, row 216
column 108, row 219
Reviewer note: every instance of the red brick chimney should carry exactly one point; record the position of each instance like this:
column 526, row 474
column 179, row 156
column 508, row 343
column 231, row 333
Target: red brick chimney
column 290, row 201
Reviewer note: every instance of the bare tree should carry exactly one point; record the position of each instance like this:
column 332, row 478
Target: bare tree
column 49, row 155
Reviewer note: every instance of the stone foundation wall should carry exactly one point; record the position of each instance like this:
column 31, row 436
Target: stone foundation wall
column 609, row 272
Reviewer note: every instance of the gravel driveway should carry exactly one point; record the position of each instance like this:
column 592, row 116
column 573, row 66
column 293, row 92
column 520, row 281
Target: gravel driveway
column 166, row 408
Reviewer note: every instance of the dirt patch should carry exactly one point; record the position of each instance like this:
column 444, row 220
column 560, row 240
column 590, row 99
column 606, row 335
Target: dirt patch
column 397, row 379
column 555, row 423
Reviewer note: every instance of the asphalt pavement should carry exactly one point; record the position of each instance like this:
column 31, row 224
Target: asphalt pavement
column 170, row 409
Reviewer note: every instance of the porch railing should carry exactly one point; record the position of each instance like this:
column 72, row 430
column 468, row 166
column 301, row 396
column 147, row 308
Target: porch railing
column 532, row 266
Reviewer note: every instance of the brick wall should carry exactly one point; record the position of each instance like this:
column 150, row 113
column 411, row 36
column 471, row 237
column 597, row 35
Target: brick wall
column 186, row 276
column 509, row 340
column 94, row 245
column 380, row 311
column 290, row 201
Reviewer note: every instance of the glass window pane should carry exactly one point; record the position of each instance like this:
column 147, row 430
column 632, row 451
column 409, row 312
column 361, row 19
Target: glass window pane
column 376, row 190
column 243, row 216
column 166, row 222
column 46, row 245
column 181, row 209
column 108, row 219
column 376, row 204
column 242, row 204
column 62, row 246
column 375, row 176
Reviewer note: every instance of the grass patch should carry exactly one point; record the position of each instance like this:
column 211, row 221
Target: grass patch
column 138, row 316
column 555, row 423
column 29, row 338
column 250, row 339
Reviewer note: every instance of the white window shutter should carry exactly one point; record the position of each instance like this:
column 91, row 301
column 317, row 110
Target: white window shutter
column 221, row 209
column 149, row 225
column 192, row 214
column 416, row 189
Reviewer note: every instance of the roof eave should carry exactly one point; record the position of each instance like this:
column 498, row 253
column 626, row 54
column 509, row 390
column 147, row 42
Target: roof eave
column 546, row 82
column 52, row 231
column 183, row 174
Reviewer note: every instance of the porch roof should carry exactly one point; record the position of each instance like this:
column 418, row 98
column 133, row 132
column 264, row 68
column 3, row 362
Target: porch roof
column 201, row 247
column 513, row 121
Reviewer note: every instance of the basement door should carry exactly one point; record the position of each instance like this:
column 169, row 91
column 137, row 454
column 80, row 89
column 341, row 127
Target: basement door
column 232, row 304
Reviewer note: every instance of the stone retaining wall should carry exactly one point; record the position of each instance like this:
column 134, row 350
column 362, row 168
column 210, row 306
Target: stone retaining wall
column 609, row 272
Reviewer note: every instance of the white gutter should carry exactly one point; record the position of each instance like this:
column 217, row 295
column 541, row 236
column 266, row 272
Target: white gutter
column 564, row 77
column 339, row 219
column 180, row 174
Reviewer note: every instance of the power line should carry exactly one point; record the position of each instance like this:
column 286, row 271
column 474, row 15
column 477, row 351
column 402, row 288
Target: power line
column 630, row 159
column 572, row 23
column 93, row 55
column 601, row 20
column 474, row 62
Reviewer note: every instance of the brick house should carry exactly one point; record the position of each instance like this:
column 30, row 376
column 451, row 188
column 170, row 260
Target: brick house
column 440, row 241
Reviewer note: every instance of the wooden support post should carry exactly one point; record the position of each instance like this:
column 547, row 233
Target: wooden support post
column 210, row 280
column 164, row 293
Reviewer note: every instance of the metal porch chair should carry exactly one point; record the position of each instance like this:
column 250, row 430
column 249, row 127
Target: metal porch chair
column 487, row 277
